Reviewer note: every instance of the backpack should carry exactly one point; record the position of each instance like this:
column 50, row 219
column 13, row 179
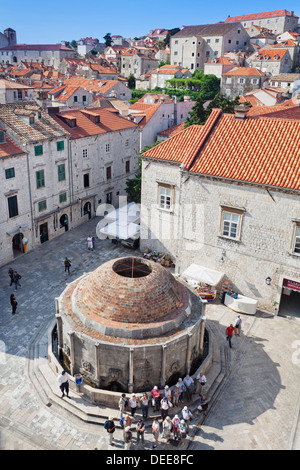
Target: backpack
column 121, row 422
column 106, row 424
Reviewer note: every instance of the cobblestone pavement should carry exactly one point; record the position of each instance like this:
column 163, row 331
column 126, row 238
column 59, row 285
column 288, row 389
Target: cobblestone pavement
column 256, row 407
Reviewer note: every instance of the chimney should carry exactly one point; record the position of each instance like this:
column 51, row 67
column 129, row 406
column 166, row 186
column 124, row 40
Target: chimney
column 240, row 112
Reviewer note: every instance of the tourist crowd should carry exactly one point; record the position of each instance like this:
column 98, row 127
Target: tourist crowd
column 161, row 401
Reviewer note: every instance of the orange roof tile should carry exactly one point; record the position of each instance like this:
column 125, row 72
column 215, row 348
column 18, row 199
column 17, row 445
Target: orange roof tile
column 245, row 71
column 85, row 127
column 263, row 151
column 10, row 148
column 271, row 54
column 256, row 16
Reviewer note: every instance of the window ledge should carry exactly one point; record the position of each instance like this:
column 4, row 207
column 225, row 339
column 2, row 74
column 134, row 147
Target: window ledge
column 236, row 240
column 292, row 253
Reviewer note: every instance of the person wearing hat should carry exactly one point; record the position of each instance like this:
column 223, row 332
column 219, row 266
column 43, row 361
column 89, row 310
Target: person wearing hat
column 168, row 393
column 63, row 380
column 186, row 415
column 176, row 427
column 110, row 428
column 165, row 406
column 140, row 430
column 155, row 398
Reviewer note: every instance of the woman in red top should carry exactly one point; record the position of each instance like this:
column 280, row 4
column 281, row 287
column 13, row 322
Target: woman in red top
column 229, row 332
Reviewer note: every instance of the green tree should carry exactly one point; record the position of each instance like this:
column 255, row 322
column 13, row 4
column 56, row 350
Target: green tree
column 108, row 40
column 134, row 185
column 171, row 32
column 74, row 44
column 131, row 81
column 198, row 114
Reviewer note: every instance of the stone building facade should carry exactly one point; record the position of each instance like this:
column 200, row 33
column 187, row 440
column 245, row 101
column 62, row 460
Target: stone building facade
column 70, row 165
column 276, row 21
column 49, row 54
column 193, row 46
column 241, row 80
column 234, row 217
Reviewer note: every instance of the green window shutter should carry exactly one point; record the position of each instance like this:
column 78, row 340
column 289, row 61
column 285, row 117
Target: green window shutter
column 40, row 179
column 38, row 150
column 63, row 197
column 60, row 145
column 12, row 206
column 83, row 98
column 9, row 173
column 42, row 205
column 61, row 172
column 75, row 99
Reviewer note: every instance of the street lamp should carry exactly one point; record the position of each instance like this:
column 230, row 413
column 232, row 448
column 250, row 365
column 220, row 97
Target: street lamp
column 268, row 280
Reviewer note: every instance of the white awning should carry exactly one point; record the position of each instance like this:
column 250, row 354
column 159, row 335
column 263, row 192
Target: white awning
column 121, row 232
column 202, row 274
column 125, row 214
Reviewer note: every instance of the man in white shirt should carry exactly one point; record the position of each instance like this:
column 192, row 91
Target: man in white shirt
column 186, row 415
column 201, row 381
column 238, row 324
column 63, row 380
column 189, row 383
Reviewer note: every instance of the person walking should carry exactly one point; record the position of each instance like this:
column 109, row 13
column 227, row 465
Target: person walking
column 17, row 278
column 140, row 431
column 155, row 432
column 229, row 332
column 90, row 243
column 63, row 380
column 145, row 405
column 110, row 427
column 11, row 275
column 14, row 303
column 67, row 264
column 237, row 326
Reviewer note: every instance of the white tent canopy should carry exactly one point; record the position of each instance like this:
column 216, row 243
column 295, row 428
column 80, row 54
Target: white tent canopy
column 116, row 230
column 125, row 214
column 202, row 274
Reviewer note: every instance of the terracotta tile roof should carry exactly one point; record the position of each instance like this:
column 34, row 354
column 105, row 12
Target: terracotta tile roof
column 10, row 148
column 7, row 84
column 109, row 122
column 257, row 16
column 145, row 109
column 263, row 151
column 43, row 129
column 271, row 54
column 221, row 61
column 245, row 71
column 172, row 130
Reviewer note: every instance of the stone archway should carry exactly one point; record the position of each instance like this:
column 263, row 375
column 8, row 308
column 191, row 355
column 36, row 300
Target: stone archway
column 17, row 245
